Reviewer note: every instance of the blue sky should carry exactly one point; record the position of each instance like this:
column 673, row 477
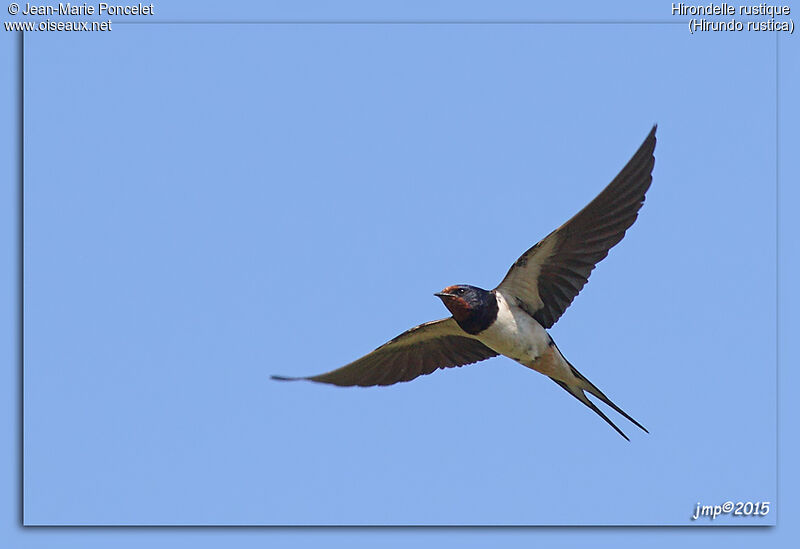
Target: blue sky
column 206, row 205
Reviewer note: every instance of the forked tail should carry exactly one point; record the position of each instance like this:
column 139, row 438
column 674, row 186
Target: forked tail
column 585, row 385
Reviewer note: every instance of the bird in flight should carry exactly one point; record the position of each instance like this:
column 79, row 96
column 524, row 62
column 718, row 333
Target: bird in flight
column 512, row 319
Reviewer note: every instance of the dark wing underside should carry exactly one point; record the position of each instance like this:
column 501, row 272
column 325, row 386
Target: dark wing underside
column 546, row 278
column 418, row 351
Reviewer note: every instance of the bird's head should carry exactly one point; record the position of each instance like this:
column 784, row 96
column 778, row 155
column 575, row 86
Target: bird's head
column 471, row 307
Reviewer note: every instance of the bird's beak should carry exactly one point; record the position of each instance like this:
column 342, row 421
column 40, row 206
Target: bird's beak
column 442, row 295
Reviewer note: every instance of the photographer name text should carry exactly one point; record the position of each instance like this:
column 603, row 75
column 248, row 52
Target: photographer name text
column 68, row 8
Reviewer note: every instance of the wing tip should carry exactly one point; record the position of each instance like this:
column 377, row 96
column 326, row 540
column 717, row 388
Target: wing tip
column 649, row 143
column 286, row 378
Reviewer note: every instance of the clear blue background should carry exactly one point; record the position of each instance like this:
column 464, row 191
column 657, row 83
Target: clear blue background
column 170, row 429
column 219, row 203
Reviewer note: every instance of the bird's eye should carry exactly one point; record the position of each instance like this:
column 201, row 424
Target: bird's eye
column 460, row 291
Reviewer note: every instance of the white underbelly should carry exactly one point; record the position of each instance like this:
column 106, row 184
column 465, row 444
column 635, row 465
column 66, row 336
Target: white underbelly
column 515, row 334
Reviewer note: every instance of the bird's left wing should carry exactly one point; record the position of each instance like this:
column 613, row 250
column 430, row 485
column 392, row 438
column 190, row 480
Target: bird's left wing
column 418, row 351
column 546, row 278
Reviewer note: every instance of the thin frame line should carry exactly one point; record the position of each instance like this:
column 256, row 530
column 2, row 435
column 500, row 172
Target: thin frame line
column 20, row 282
column 777, row 271
column 407, row 22
column 21, row 271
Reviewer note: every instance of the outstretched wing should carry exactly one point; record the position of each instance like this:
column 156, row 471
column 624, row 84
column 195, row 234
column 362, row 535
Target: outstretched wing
column 418, row 351
column 546, row 278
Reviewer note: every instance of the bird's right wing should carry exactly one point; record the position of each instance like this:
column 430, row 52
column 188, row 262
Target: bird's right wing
column 418, row 351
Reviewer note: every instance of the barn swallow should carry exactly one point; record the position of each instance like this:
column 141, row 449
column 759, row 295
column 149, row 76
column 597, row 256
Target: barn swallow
column 512, row 319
